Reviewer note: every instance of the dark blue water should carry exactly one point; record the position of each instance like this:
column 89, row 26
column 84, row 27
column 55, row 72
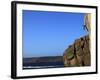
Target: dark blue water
column 41, row 65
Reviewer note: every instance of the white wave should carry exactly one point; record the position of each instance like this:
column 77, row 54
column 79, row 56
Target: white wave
column 29, row 67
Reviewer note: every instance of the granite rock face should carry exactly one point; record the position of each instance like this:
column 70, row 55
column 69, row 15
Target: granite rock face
column 78, row 54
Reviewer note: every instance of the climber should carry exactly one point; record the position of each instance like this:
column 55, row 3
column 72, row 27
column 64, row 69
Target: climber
column 86, row 25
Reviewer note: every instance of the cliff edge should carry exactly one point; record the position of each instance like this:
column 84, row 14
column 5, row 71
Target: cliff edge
column 78, row 54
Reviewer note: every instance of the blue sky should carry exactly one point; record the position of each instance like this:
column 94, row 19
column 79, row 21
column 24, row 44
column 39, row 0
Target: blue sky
column 50, row 33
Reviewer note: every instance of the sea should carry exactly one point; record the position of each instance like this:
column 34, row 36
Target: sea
column 42, row 65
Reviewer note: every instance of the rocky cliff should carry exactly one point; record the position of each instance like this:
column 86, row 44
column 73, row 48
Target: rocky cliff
column 78, row 54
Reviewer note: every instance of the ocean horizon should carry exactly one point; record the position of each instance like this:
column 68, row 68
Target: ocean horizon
column 43, row 62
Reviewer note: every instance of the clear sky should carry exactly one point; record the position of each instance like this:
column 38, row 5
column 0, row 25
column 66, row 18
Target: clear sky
column 50, row 33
